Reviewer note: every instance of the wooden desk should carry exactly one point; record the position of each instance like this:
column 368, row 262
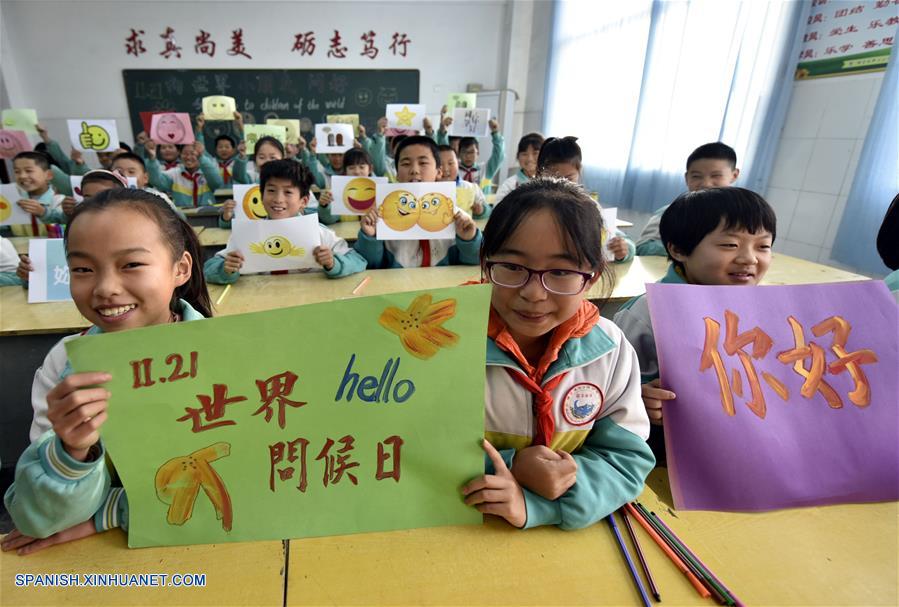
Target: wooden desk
column 18, row 317
column 266, row 292
column 236, row 574
column 832, row 555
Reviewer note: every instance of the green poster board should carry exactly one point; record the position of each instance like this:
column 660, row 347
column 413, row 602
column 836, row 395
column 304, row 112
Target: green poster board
column 356, row 415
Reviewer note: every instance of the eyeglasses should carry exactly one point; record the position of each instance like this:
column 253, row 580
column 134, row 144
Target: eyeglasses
column 560, row 282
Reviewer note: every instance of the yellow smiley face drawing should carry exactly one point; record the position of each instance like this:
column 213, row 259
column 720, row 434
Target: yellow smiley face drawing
column 400, row 210
column 277, row 247
column 359, row 194
column 436, row 212
column 252, row 204
column 5, row 208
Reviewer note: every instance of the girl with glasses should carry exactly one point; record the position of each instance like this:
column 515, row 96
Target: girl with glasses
column 565, row 425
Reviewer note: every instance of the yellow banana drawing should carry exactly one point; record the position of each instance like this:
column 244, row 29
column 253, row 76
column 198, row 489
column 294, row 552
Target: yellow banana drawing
column 178, row 482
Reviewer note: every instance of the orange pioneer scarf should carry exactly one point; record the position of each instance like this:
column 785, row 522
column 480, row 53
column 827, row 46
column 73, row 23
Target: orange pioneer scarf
column 579, row 325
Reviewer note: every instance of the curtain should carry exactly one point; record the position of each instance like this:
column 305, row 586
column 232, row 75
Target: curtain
column 875, row 184
column 644, row 82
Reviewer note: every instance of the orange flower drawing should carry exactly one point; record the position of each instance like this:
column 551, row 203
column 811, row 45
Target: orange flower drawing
column 418, row 326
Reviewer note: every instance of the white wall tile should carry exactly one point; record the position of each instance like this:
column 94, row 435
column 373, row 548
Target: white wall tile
column 842, row 118
column 827, row 165
column 796, row 249
column 853, row 166
column 835, row 218
column 791, row 163
column 783, row 202
column 807, row 107
column 811, row 218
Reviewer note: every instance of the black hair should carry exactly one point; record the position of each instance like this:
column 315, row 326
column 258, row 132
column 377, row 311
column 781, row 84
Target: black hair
column 466, row 142
column 230, row 139
column 133, row 157
column 42, row 148
column 40, row 159
column 291, row 170
column 888, row 236
column 445, row 148
column 577, row 217
column 715, row 151
column 271, row 141
column 693, row 215
column 531, row 140
column 396, row 140
column 417, row 140
column 102, row 175
column 176, row 232
column 125, row 146
column 355, row 156
column 556, row 150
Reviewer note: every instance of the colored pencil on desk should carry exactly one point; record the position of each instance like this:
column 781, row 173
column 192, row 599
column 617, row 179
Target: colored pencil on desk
column 627, row 557
column 663, row 545
column 361, row 285
column 221, row 298
column 646, row 572
column 705, row 570
column 682, row 551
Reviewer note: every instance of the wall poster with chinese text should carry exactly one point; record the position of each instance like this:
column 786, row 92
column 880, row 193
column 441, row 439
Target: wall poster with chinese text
column 847, row 37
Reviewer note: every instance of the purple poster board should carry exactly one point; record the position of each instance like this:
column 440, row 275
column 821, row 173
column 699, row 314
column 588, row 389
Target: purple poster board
column 766, row 416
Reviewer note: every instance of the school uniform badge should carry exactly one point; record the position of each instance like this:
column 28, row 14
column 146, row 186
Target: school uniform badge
column 582, row 403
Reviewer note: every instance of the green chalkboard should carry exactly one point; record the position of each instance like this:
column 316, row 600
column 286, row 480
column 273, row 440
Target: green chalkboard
column 309, row 95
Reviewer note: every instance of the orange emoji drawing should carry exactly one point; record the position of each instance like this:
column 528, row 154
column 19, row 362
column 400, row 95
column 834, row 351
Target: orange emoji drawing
column 252, row 204
column 436, row 212
column 400, row 210
column 359, row 194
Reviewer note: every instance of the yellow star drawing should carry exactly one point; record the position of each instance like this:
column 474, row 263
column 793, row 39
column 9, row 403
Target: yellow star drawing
column 405, row 117
column 418, row 326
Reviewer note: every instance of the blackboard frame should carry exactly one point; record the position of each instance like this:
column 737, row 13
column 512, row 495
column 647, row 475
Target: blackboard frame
column 272, row 93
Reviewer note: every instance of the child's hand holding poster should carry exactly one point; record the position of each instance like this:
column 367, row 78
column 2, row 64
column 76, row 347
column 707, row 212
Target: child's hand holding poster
column 10, row 212
column 408, row 116
column 280, row 244
column 470, row 123
column 333, row 138
column 416, row 211
column 88, row 135
column 249, row 202
column 174, row 128
column 354, row 195
column 323, row 419
column 50, row 279
column 786, row 396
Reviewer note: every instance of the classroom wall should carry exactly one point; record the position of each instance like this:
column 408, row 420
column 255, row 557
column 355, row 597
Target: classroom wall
column 816, row 160
column 65, row 58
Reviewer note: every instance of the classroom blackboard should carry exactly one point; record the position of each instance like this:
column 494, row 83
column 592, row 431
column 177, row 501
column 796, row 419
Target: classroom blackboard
column 309, row 95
